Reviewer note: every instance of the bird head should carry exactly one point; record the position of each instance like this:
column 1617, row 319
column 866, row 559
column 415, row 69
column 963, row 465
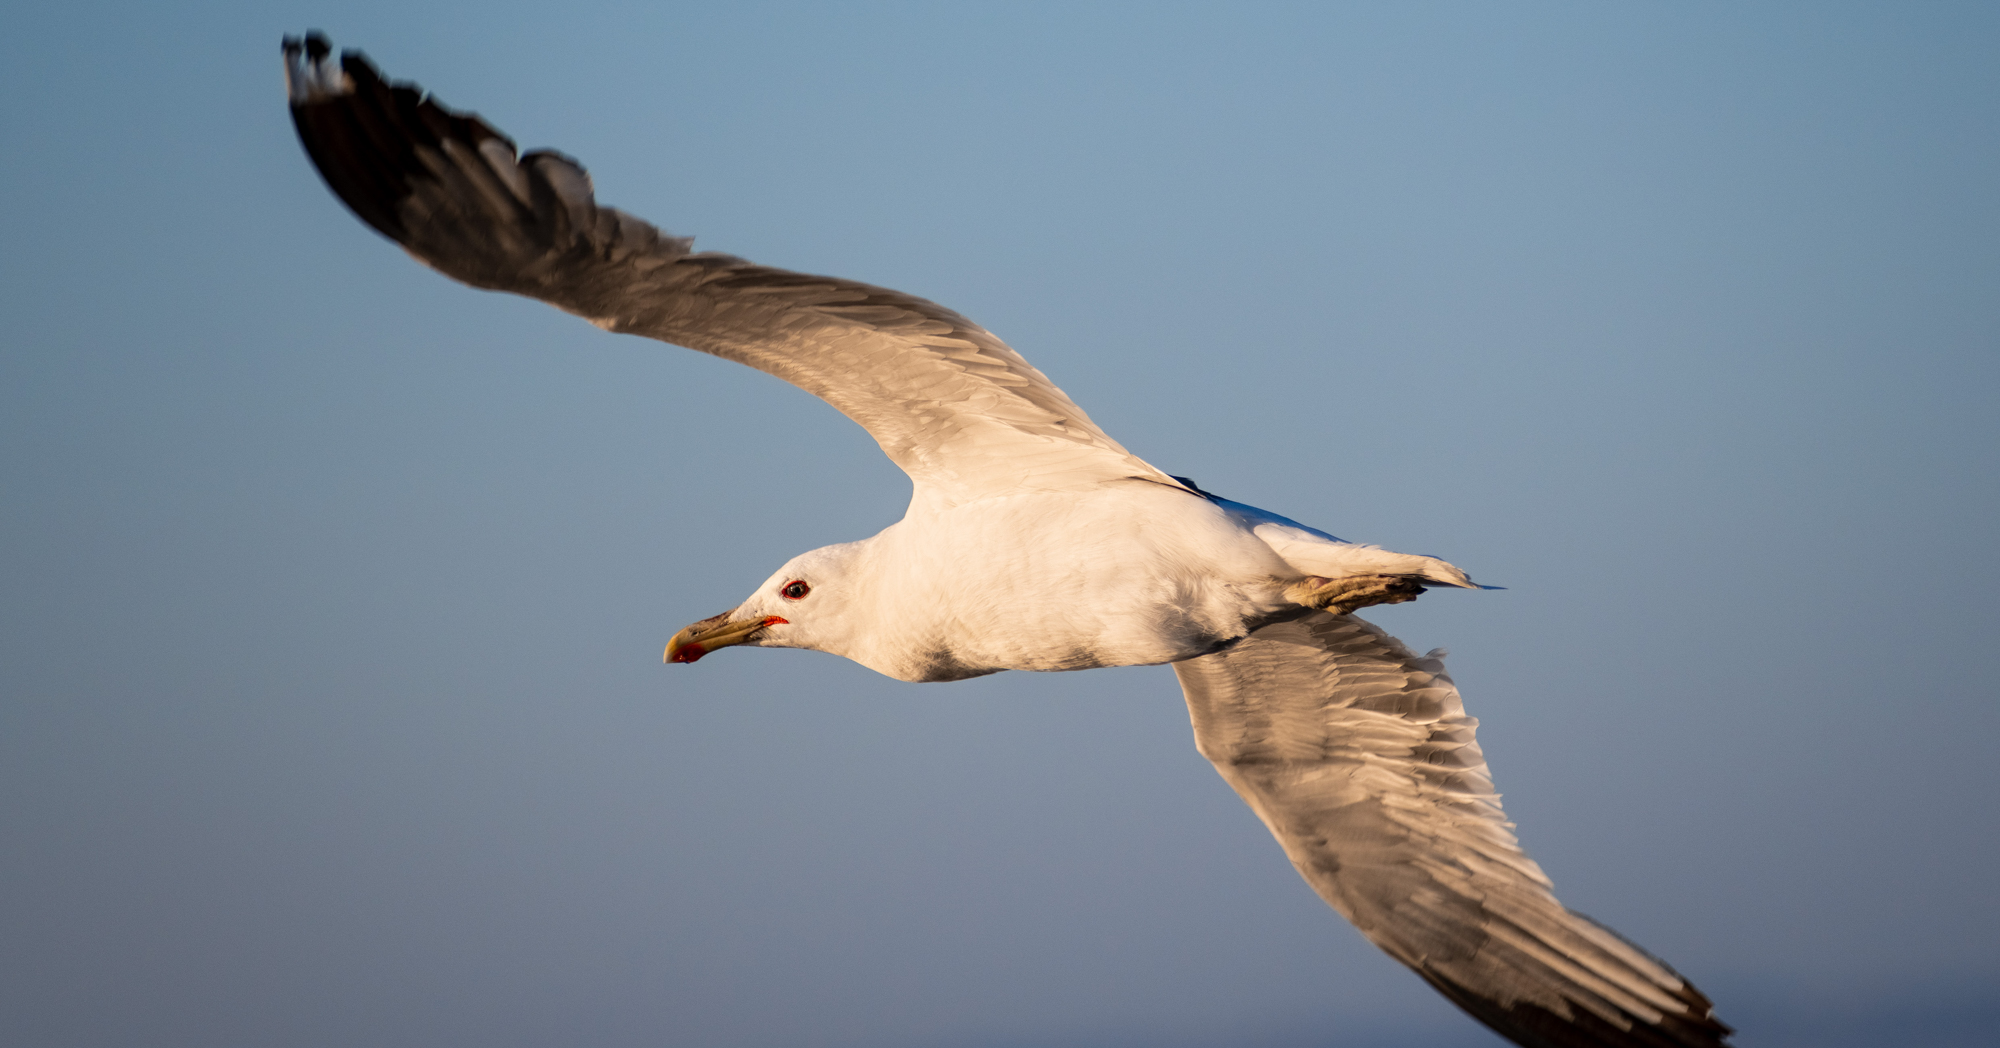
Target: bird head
column 808, row 603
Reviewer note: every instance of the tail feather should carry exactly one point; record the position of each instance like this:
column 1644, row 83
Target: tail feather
column 1331, row 558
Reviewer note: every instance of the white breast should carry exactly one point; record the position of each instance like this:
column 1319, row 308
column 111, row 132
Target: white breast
column 1125, row 575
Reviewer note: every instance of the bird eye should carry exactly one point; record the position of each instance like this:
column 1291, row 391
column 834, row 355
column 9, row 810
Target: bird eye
column 795, row 590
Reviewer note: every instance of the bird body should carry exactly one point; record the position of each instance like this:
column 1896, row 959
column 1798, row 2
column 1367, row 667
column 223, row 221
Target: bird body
column 1035, row 541
column 1159, row 575
column 1125, row 573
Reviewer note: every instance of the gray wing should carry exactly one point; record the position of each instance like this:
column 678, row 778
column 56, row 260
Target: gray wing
column 957, row 409
column 1360, row 758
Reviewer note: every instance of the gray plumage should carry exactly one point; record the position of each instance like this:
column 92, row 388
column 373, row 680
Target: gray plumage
column 947, row 401
column 1360, row 758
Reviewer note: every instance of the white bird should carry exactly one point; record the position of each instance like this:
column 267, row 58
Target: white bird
column 1034, row 541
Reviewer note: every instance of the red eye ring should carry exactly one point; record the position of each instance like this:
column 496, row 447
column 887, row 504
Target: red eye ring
column 794, row 590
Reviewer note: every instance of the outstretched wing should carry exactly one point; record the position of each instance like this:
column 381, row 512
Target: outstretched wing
column 957, row 409
column 1360, row 758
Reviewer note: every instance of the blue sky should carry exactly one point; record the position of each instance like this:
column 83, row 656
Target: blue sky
column 330, row 704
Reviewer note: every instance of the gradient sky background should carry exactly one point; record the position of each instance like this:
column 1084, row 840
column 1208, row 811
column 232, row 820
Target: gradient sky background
column 334, row 592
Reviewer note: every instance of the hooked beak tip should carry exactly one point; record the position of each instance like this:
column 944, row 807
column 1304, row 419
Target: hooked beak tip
column 702, row 637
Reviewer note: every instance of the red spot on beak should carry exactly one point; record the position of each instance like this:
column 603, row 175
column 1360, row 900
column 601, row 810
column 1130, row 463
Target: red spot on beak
column 737, row 634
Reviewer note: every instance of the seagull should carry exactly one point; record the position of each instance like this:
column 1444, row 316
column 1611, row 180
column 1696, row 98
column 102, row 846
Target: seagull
column 1034, row 541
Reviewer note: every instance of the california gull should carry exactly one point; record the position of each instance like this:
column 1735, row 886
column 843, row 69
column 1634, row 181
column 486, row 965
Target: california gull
column 1034, row 541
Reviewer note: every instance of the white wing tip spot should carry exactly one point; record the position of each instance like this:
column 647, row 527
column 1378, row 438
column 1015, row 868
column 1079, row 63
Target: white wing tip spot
column 311, row 74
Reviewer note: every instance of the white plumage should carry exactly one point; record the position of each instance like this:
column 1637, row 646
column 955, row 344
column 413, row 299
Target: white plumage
column 1034, row 541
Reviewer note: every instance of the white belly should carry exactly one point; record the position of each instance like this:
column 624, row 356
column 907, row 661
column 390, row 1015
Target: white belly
column 1125, row 575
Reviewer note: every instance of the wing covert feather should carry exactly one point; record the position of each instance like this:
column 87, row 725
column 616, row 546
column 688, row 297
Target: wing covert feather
column 951, row 404
column 1360, row 758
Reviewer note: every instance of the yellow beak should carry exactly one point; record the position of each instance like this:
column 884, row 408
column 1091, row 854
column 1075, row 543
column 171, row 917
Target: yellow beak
column 717, row 631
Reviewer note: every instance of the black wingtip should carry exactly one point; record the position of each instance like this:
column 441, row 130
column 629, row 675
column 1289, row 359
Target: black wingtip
column 314, row 45
column 363, row 132
column 353, row 128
